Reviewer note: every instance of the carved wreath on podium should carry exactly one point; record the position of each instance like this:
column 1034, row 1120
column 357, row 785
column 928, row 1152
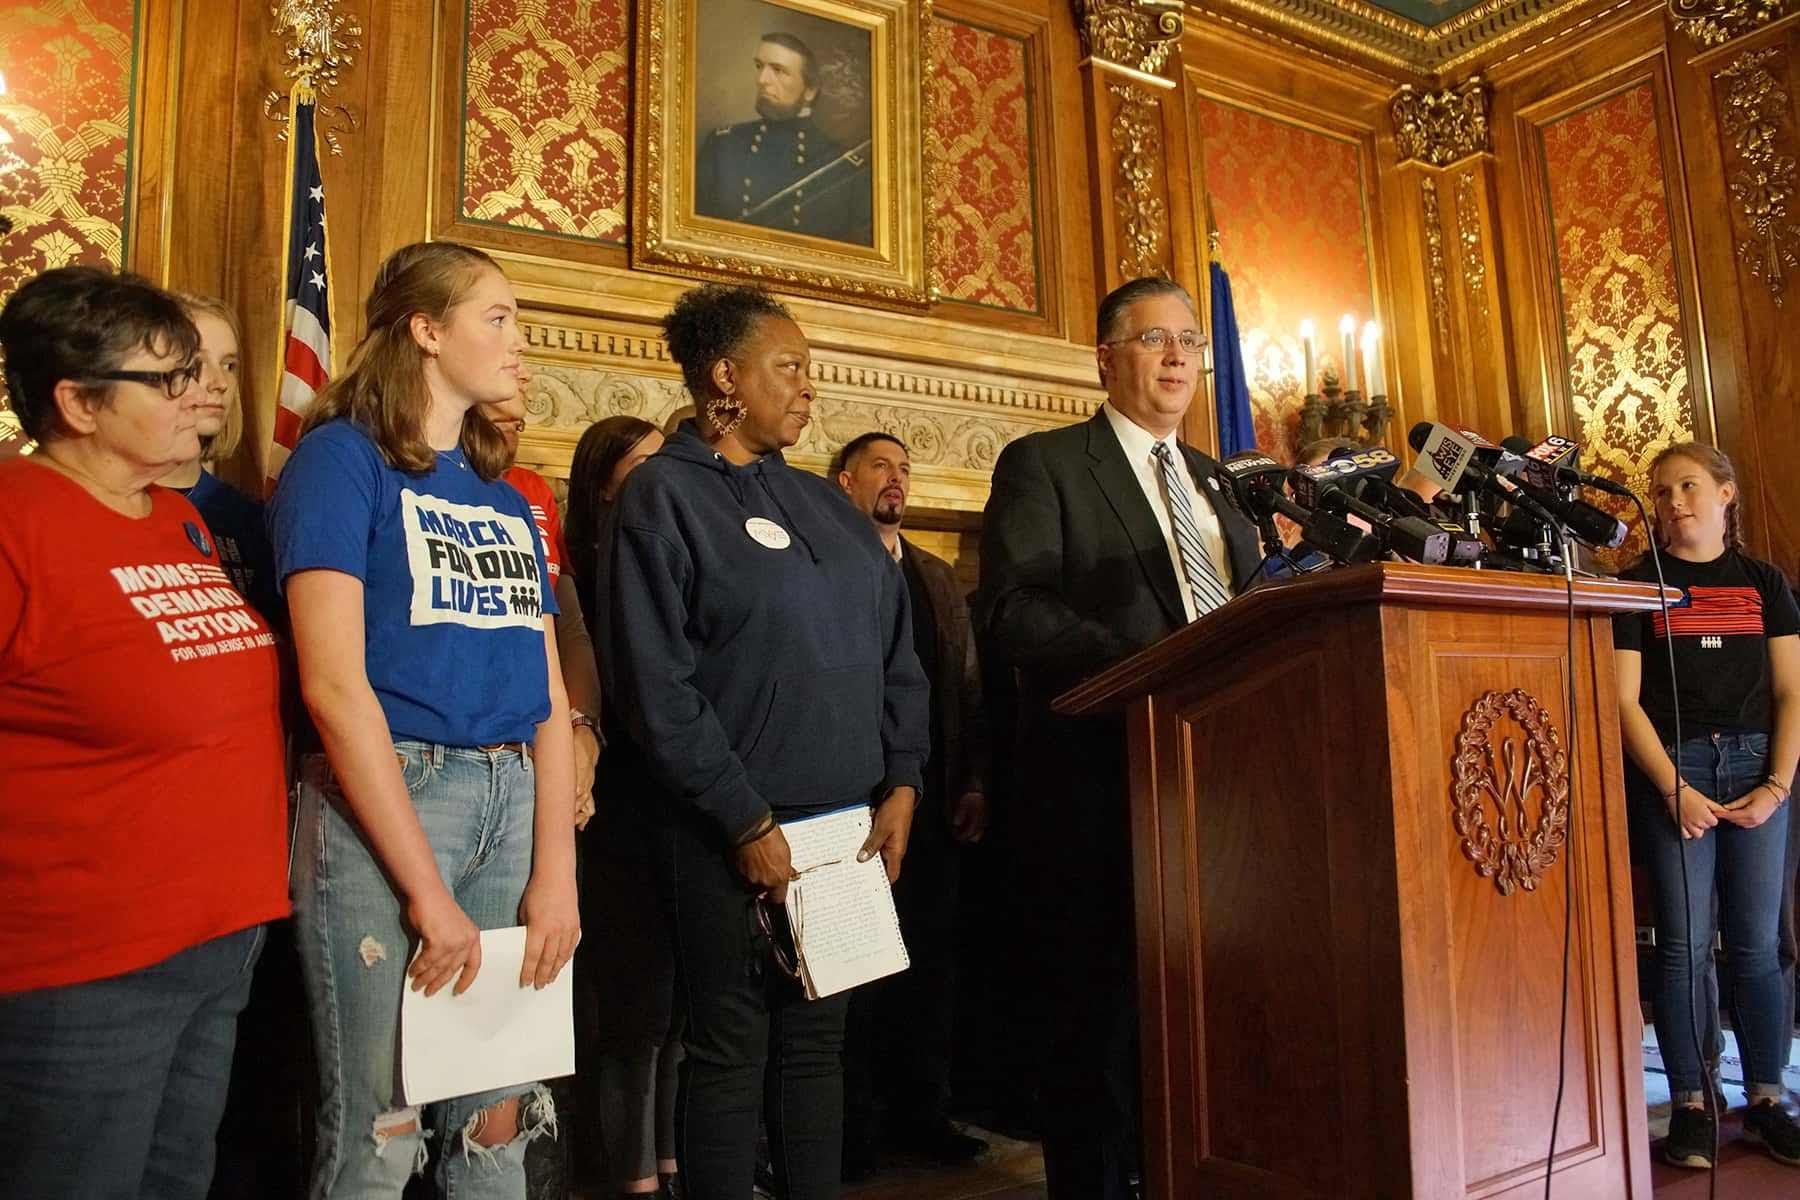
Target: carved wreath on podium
column 1506, row 844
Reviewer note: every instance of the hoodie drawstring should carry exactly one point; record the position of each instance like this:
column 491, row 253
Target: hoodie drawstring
column 787, row 516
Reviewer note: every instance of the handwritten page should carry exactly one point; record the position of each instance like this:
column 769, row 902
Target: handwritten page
column 494, row 1035
column 841, row 911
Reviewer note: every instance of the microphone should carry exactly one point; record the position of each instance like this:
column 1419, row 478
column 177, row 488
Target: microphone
column 1589, row 524
column 1446, row 457
column 1324, row 487
column 1551, row 463
column 1465, row 548
column 1257, row 490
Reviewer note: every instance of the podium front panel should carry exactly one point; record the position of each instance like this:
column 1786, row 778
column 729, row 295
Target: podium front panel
column 1352, row 849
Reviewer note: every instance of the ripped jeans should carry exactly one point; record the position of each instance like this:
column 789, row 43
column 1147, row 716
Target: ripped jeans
column 476, row 807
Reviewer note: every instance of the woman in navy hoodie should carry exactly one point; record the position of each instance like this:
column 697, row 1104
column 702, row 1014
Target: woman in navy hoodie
column 756, row 640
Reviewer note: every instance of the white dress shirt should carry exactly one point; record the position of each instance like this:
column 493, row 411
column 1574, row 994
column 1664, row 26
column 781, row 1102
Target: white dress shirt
column 1140, row 451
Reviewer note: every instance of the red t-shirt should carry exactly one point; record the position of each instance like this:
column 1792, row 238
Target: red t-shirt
column 537, row 493
column 142, row 801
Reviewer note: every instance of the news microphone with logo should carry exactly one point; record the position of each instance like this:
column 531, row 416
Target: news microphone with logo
column 1323, row 487
column 1589, row 524
column 1258, row 490
column 1447, row 457
column 1552, row 463
column 1465, row 548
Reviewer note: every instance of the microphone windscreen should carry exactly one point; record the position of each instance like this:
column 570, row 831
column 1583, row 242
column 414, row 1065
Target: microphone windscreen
column 1516, row 445
column 1421, row 431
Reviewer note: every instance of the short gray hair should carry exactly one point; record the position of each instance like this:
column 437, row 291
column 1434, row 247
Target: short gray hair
column 1112, row 309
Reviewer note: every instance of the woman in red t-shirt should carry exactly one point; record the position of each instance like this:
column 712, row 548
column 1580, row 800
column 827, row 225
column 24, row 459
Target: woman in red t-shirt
column 141, row 819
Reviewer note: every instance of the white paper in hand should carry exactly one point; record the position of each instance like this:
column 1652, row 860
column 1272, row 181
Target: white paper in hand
column 496, row 1034
column 841, row 911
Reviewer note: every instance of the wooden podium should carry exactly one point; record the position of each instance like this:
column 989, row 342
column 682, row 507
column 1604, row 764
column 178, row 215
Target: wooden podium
column 1357, row 801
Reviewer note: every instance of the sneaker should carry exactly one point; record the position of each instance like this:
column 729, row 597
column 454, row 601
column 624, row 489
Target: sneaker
column 1768, row 1124
column 1692, row 1132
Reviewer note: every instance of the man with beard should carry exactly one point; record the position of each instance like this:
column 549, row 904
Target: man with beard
column 899, row 1035
column 781, row 171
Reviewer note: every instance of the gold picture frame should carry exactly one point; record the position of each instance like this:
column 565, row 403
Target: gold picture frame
column 860, row 234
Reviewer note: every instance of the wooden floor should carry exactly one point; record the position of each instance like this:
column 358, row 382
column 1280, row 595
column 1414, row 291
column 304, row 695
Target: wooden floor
column 1010, row 1170
column 1015, row 1171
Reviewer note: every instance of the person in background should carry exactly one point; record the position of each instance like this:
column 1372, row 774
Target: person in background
column 630, row 1048
column 444, row 801
column 1099, row 539
column 260, row 1140
column 1711, row 806
column 581, row 677
column 912, row 1014
column 142, row 813
column 235, row 519
column 755, row 638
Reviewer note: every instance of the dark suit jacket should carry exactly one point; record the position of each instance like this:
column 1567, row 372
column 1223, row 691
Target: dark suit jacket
column 957, row 685
column 1076, row 575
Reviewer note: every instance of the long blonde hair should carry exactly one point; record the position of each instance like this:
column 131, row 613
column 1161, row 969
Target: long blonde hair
column 223, row 443
column 384, row 390
column 1714, row 463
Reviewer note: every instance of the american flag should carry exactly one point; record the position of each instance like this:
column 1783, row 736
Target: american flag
column 306, row 344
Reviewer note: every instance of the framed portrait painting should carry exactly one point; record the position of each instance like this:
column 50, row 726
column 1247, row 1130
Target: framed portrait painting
column 779, row 142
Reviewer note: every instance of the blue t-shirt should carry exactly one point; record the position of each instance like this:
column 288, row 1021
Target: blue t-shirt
column 237, row 525
column 453, row 583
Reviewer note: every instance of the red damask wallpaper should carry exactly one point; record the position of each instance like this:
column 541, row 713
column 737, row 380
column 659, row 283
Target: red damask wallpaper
column 1288, row 202
column 547, row 98
column 982, row 224
column 1621, row 310
column 65, row 127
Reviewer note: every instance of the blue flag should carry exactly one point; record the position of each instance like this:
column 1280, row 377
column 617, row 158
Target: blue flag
column 1231, row 383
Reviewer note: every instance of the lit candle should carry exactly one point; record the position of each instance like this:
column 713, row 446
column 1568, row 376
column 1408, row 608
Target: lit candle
column 1347, row 327
column 1307, row 332
column 1372, row 369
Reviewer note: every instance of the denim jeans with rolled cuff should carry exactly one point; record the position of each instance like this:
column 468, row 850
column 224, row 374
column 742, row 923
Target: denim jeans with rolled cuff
column 1745, row 866
column 113, row 1088
column 476, row 807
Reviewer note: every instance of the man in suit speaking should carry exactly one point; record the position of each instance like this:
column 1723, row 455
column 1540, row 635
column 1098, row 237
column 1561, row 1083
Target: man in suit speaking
column 1099, row 539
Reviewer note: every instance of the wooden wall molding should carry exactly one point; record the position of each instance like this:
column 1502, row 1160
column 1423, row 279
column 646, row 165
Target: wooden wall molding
column 1437, row 273
column 954, row 420
column 1441, row 128
column 1715, row 22
column 1758, row 120
column 1370, row 33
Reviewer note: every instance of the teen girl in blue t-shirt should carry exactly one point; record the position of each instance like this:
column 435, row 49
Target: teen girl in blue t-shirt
column 443, row 803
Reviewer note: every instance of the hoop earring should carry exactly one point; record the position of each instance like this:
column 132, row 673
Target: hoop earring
column 725, row 413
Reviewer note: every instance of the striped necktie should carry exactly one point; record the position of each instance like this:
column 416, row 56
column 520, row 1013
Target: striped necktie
column 1203, row 578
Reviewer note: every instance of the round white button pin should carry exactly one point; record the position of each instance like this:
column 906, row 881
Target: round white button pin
column 768, row 533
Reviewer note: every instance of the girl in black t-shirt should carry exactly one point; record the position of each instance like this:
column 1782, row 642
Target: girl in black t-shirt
column 1723, row 785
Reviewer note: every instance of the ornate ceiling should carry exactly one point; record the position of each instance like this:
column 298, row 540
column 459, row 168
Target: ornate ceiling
column 1426, row 12
column 1427, row 36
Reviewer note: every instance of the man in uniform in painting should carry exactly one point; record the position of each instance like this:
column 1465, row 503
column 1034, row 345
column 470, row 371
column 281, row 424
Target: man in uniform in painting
column 781, row 171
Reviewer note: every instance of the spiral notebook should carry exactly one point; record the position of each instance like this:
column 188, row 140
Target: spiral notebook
column 841, row 911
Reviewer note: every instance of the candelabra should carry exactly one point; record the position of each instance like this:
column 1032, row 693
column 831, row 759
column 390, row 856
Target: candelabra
column 1333, row 411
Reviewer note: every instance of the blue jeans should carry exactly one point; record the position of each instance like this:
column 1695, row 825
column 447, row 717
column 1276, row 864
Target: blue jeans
column 1745, row 865
column 476, row 807
column 113, row 1089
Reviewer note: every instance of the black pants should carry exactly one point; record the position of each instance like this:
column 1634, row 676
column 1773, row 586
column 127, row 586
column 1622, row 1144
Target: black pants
column 901, row 1029
column 1090, row 1084
column 744, row 1013
column 631, row 1039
